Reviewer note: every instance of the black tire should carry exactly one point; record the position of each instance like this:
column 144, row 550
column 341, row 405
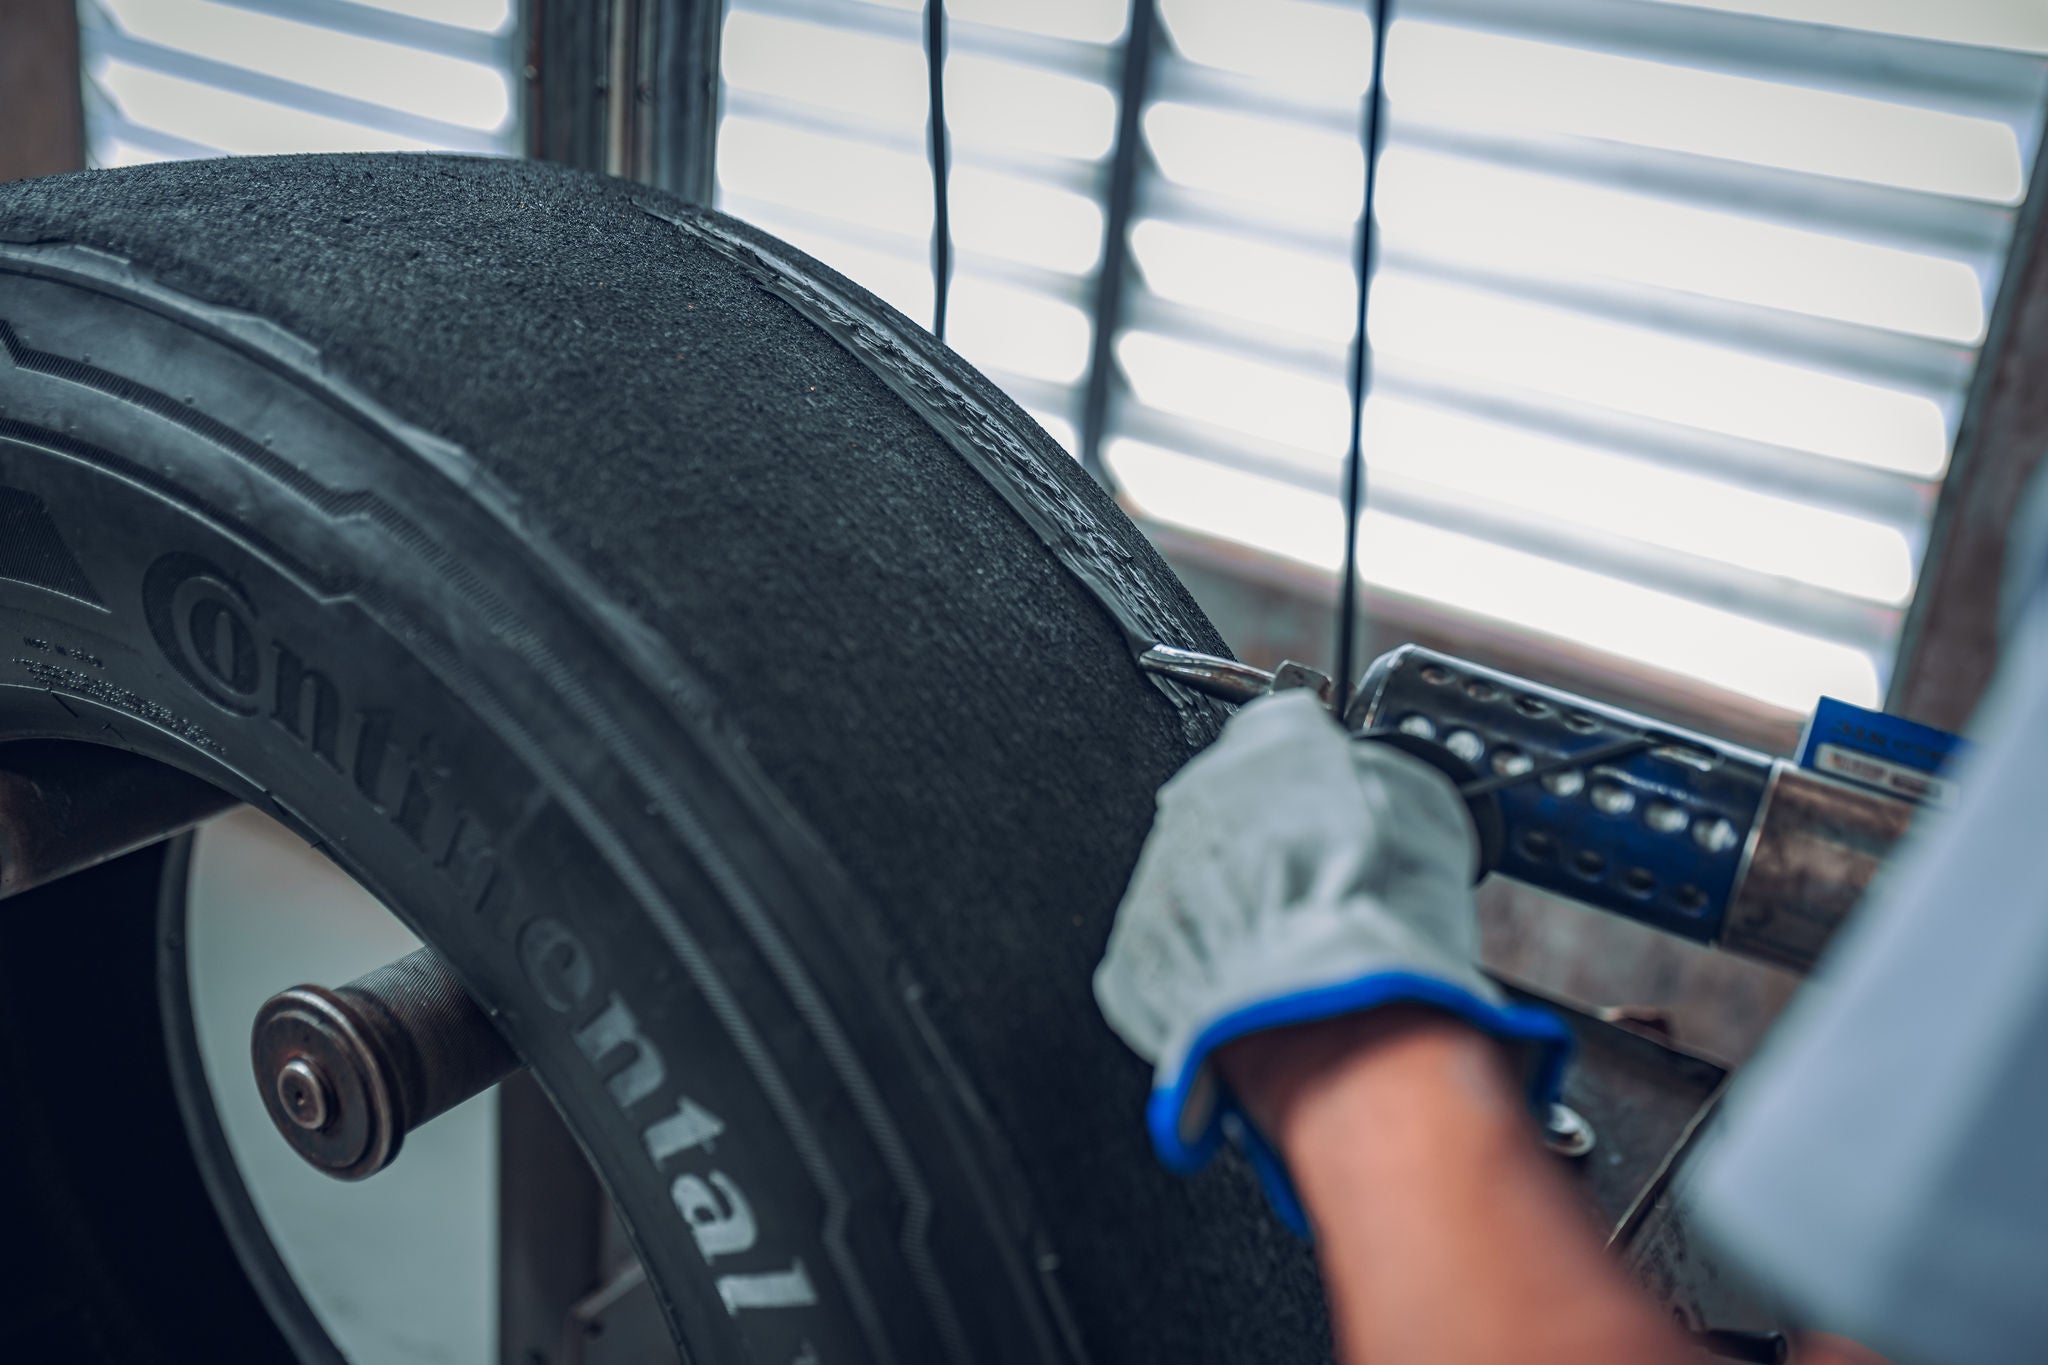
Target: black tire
column 731, row 683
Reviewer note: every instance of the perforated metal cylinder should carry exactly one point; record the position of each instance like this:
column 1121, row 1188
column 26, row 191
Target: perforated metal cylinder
column 1656, row 834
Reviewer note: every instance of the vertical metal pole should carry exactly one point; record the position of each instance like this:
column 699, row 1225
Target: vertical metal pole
column 1120, row 206
column 676, row 143
column 551, row 1214
column 629, row 87
column 567, row 85
column 42, row 122
column 1950, row 643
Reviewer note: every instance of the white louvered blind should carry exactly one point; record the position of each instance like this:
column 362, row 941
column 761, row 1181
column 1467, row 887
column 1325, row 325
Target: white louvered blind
column 170, row 79
column 1677, row 303
column 1676, row 307
column 824, row 143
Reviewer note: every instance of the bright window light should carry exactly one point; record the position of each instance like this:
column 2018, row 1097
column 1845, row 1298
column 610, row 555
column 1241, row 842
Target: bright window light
column 1775, row 665
column 388, row 74
column 485, row 16
column 1657, row 374
column 1013, row 107
column 1453, row 456
column 1085, row 21
column 1269, row 402
column 1024, row 220
column 1284, row 520
column 1451, row 208
column 900, row 278
column 1274, row 167
column 1315, row 51
column 1059, row 428
column 1016, row 331
column 875, row 79
column 112, row 152
column 852, row 180
column 866, row 209
column 1467, row 78
column 233, row 123
column 2021, row 25
column 1311, row 294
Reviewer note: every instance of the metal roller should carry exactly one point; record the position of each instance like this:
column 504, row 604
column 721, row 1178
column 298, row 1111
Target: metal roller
column 346, row 1073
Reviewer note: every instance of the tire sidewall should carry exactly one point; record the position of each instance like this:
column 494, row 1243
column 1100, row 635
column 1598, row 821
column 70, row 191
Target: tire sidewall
column 320, row 609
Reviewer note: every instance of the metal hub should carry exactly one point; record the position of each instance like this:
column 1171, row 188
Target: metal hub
column 303, row 1090
column 347, row 1073
column 327, row 1082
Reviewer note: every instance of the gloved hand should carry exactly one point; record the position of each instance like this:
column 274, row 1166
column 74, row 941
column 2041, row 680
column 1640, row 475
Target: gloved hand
column 1295, row 874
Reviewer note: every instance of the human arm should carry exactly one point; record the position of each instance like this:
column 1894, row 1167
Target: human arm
column 1443, row 1231
column 1296, row 875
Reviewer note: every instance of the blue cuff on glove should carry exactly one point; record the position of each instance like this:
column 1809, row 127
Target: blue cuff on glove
column 1185, row 1152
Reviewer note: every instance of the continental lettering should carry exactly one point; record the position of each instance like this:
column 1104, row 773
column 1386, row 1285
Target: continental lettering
column 372, row 749
column 213, row 634
column 691, row 1125
column 614, row 1032
column 307, row 706
column 211, row 631
column 217, row 639
column 789, row 1288
column 679, row 1140
column 471, row 861
column 717, row 1212
column 558, row 968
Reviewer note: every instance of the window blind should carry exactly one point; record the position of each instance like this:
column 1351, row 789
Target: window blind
column 168, row 79
column 1676, row 302
column 1676, row 307
column 823, row 142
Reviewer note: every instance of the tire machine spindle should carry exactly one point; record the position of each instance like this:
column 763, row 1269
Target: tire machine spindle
column 1690, row 835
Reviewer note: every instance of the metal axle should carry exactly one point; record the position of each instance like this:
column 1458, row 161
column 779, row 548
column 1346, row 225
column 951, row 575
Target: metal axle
column 65, row 807
column 346, row 1073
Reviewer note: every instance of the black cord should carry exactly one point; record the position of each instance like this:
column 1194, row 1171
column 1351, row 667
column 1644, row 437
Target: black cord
column 1361, row 366
column 942, row 228
column 1120, row 205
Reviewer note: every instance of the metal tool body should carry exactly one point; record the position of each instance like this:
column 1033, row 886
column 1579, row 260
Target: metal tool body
column 1656, row 833
column 1688, row 834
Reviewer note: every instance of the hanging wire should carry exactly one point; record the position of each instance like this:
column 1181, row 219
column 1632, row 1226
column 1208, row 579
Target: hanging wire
column 942, row 228
column 1361, row 361
column 1120, row 206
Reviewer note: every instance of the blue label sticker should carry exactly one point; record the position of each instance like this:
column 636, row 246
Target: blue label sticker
column 1886, row 753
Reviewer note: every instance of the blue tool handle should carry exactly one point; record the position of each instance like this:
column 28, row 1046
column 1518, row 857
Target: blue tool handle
column 1654, row 830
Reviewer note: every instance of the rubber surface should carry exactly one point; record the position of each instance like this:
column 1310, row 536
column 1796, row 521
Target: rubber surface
column 947, row 708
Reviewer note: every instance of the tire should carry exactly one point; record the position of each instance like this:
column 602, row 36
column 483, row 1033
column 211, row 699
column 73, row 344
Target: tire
column 727, row 680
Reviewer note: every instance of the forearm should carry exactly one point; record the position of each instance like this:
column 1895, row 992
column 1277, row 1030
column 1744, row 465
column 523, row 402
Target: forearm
column 1443, row 1231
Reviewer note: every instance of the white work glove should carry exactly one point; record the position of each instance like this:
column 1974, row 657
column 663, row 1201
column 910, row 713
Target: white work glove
column 1294, row 874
